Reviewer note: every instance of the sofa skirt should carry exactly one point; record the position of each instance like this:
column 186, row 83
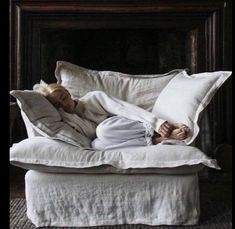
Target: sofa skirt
column 78, row 200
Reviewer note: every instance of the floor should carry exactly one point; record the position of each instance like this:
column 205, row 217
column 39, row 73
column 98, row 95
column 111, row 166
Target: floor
column 17, row 187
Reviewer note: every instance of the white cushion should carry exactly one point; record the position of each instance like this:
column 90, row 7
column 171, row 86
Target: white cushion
column 40, row 115
column 43, row 154
column 185, row 96
column 141, row 90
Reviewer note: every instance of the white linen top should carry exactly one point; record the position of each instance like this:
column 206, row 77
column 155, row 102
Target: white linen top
column 96, row 106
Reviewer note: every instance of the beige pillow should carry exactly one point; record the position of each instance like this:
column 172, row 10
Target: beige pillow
column 43, row 117
column 141, row 90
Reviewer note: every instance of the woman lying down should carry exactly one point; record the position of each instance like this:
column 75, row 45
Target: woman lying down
column 110, row 122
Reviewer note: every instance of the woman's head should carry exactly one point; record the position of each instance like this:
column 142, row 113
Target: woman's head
column 57, row 95
column 46, row 89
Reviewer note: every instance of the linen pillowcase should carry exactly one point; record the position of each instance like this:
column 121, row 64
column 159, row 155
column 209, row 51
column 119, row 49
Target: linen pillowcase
column 43, row 117
column 49, row 155
column 185, row 96
column 141, row 90
column 31, row 131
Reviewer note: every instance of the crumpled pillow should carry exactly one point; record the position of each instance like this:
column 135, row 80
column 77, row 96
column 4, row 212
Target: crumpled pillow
column 44, row 118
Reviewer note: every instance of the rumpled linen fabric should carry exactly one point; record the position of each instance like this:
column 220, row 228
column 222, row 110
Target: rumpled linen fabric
column 186, row 96
column 141, row 90
column 118, row 132
column 53, row 153
column 69, row 200
column 59, row 197
column 96, row 106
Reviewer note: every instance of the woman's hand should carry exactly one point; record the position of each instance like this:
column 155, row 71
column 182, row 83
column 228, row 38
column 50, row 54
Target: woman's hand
column 165, row 129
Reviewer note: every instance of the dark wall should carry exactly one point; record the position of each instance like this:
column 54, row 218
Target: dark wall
column 228, row 66
column 133, row 51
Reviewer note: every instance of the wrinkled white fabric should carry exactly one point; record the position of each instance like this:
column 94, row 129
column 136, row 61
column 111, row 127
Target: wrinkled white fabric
column 185, row 97
column 96, row 106
column 69, row 200
column 45, row 151
column 118, row 132
column 141, row 90
column 42, row 118
column 80, row 124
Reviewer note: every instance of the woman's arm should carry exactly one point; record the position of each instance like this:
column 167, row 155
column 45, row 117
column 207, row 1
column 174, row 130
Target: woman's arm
column 100, row 103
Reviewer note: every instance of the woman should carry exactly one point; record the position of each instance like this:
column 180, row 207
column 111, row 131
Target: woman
column 110, row 122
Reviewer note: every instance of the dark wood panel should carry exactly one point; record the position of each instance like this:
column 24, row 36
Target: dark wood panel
column 31, row 18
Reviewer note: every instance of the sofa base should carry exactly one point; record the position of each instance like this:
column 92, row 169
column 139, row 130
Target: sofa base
column 76, row 200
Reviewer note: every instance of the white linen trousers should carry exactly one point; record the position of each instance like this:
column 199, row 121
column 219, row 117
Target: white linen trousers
column 119, row 132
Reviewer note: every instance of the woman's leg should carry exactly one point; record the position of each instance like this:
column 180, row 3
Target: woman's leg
column 118, row 132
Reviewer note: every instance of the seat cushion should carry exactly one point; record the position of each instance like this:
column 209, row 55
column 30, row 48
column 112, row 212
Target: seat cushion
column 44, row 154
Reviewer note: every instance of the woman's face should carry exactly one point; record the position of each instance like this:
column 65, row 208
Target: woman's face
column 62, row 99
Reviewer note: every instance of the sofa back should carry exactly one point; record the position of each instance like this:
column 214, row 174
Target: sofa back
column 141, row 90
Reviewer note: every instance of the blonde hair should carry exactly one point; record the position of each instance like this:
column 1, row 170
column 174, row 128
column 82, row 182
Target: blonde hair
column 46, row 89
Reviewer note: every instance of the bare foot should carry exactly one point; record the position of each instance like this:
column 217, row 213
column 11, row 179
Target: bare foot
column 180, row 132
column 166, row 129
column 181, row 126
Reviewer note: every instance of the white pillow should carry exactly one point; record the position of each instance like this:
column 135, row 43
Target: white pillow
column 44, row 154
column 185, row 96
column 141, row 90
column 43, row 117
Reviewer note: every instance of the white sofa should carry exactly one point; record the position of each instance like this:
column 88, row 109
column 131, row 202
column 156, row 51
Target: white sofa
column 70, row 184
